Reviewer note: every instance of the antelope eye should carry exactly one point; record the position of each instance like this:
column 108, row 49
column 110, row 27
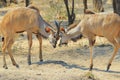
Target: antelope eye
column 57, row 38
column 54, row 36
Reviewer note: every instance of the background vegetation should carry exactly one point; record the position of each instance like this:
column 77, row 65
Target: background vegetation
column 55, row 9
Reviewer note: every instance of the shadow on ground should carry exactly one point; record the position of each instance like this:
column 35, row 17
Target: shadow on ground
column 70, row 66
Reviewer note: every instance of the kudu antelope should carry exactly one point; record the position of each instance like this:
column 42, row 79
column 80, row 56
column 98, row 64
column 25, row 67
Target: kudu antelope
column 25, row 19
column 103, row 25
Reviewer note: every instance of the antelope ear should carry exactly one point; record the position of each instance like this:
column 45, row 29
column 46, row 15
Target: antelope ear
column 47, row 29
column 62, row 29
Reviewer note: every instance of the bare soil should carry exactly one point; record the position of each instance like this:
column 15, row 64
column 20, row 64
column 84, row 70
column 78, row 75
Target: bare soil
column 62, row 63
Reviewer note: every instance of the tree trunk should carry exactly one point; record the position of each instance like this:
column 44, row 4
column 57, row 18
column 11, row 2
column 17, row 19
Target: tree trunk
column 85, row 4
column 116, row 6
column 27, row 2
column 7, row 2
column 71, row 16
column 14, row 1
column 4, row 2
column 98, row 6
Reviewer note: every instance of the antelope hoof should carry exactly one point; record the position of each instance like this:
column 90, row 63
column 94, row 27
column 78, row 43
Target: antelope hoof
column 108, row 67
column 5, row 66
column 41, row 60
column 29, row 62
column 17, row 66
column 91, row 67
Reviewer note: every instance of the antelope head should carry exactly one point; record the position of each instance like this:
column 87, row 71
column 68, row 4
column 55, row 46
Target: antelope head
column 70, row 34
column 54, row 36
column 63, row 37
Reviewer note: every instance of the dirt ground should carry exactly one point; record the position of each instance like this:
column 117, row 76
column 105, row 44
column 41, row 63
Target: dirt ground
column 62, row 63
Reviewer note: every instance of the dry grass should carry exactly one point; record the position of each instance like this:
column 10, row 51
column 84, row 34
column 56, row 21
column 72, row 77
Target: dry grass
column 49, row 12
